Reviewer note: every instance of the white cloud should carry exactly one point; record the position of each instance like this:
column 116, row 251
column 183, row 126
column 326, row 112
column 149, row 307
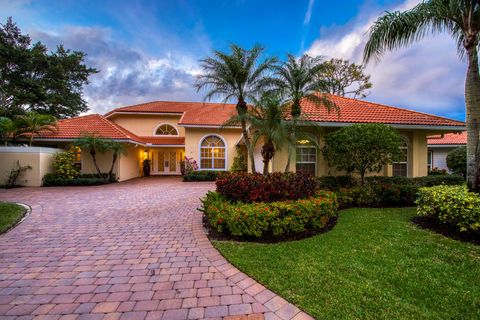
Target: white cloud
column 308, row 14
column 426, row 76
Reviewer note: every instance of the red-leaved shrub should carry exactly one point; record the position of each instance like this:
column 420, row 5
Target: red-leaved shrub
column 248, row 187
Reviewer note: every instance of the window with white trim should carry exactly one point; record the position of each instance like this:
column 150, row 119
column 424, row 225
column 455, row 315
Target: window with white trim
column 306, row 158
column 400, row 167
column 212, row 153
column 430, row 160
column 166, row 130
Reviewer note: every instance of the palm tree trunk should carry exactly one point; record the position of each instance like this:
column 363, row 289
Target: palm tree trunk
column 241, row 110
column 93, row 153
column 268, row 151
column 472, row 101
column 289, row 156
column 31, row 139
column 115, row 156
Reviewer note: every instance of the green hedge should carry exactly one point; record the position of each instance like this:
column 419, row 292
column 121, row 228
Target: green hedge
column 51, row 179
column 275, row 219
column 381, row 191
column 453, row 205
column 201, row 176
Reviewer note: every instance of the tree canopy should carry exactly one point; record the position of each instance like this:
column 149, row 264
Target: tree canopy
column 362, row 148
column 34, row 79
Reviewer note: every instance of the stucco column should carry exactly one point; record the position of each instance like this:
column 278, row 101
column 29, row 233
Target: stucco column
column 419, row 154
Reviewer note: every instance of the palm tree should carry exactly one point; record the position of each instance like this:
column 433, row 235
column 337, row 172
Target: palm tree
column 267, row 120
column 93, row 144
column 459, row 18
column 116, row 148
column 33, row 123
column 237, row 75
column 298, row 79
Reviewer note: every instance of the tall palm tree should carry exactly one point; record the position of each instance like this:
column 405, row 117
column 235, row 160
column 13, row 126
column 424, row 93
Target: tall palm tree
column 267, row 120
column 297, row 79
column 237, row 75
column 116, row 148
column 33, row 123
column 92, row 143
column 459, row 18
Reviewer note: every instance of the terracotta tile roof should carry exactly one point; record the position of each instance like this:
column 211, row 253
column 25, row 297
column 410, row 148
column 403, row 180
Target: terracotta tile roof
column 360, row 111
column 96, row 124
column 349, row 111
column 155, row 140
column 449, row 139
column 92, row 124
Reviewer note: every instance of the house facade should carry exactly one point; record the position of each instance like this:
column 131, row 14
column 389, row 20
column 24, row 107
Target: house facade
column 440, row 145
column 167, row 132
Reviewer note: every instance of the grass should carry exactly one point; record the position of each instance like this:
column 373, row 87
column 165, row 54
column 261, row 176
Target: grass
column 10, row 214
column 375, row 264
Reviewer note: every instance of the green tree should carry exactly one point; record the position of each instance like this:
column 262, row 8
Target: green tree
column 117, row 149
column 460, row 19
column 457, row 161
column 8, row 130
column 32, row 124
column 240, row 75
column 32, row 79
column 362, row 148
column 92, row 143
column 297, row 80
column 267, row 120
column 346, row 79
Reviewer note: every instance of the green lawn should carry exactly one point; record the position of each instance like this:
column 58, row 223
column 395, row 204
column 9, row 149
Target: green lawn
column 10, row 214
column 374, row 264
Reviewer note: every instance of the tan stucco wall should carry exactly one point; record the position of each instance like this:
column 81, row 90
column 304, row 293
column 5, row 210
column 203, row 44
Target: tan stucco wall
column 130, row 163
column 417, row 157
column 104, row 162
column 39, row 158
column 145, row 125
column 194, row 135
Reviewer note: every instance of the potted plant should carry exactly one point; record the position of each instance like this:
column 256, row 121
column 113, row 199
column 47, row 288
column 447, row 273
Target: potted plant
column 146, row 167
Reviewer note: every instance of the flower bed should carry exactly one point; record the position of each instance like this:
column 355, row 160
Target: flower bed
column 248, row 187
column 276, row 219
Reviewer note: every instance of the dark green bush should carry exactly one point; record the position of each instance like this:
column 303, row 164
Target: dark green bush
column 457, row 161
column 201, row 176
column 379, row 191
column 275, row 219
column 51, row 179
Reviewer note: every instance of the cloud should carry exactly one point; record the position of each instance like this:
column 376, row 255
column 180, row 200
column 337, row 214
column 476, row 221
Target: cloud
column 127, row 75
column 427, row 76
column 308, row 14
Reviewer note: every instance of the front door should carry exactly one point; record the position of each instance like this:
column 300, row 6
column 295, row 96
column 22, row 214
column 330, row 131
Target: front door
column 167, row 162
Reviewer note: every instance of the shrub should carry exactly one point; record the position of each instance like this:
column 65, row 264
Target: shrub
column 336, row 182
column 437, row 172
column 64, row 165
column 453, row 205
column 200, row 176
column 429, row 181
column 240, row 162
column 51, row 179
column 457, row 161
column 249, row 187
column 275, row 219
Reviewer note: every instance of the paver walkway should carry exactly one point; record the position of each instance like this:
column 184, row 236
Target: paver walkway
column 131, row 250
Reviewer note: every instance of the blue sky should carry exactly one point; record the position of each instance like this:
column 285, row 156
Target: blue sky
column 149, row 50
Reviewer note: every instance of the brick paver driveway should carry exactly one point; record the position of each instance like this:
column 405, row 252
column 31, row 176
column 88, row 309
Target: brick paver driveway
column 131, row 250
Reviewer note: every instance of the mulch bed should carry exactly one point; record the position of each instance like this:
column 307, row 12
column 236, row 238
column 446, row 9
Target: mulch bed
column 430, row 223
column 213, row 234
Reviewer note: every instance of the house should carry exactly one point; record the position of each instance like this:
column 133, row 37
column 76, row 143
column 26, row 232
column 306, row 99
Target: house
column 440, row 145
column 165, row 132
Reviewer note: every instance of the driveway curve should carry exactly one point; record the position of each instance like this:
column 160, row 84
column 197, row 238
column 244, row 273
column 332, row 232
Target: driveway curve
column 130, row 250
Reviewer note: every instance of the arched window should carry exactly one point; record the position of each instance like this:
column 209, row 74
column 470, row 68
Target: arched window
column 166, row 130
column 400, row 167
column 212, row 153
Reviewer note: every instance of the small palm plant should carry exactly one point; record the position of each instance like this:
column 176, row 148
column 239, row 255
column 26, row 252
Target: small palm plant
column 32, row 124
column 297, row 79
column 92, row 143
column 460, row 19
column 117, row 149
column 237, row 75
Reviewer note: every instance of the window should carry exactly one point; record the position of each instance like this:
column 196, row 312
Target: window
column 166, row 130
column 430, row 161
column 77, row 155
column 306, row 161
column 400, row 167
column 212, row 153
